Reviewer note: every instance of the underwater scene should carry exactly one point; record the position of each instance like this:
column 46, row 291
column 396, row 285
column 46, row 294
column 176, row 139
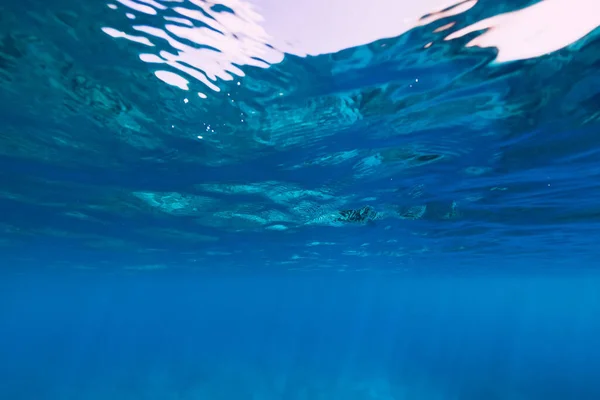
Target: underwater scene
column 298, row 200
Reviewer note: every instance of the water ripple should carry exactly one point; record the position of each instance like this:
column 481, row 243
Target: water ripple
column 432, row 130
column 205, row 42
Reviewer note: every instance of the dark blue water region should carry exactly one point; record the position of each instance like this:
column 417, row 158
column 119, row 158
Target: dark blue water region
column 300, row 336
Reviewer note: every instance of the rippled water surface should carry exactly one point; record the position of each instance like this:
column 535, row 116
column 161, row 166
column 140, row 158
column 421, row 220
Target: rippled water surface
column 299, row 200
column 190, row 134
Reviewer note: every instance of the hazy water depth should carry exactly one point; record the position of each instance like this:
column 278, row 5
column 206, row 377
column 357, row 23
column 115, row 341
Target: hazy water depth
column 300, row 337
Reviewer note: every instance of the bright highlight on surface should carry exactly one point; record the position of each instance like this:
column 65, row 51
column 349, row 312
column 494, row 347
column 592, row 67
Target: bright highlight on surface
column 540, row 29
column 210, row 44
column 138, row 7
column 172, row 79
column 118, row 34
column 204, row 42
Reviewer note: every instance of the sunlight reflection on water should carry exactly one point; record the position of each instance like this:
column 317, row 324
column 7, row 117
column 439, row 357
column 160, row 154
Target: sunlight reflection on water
column 210, row 42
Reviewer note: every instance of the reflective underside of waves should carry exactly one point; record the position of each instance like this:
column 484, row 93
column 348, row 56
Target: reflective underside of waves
column 189, row 134
column 299, row 200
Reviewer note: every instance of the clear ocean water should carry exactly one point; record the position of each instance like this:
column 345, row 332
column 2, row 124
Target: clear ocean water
column 284, row 200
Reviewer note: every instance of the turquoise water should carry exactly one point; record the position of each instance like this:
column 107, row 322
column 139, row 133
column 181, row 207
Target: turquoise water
column 313, row 200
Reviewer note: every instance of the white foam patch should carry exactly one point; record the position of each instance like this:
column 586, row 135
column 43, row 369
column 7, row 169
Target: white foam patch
column 178, row 20
column 259, row 32
column 208, row 65
column 537, row 30
column 154, row 4
column 151, row 58
column 172, row 79
column 138, row 7
column 223, row 43
column 172, row 60
column 160, row 34
column 118, row 34
column 193, row 14
column 447, row 12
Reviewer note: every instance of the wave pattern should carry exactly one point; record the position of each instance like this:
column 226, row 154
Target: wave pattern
column 399, row 152
column 200, row 40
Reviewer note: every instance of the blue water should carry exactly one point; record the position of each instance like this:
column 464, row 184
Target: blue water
column 208, row 215
column 300, row 337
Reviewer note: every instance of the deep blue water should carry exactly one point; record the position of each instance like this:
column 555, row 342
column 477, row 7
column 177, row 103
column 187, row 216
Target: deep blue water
column 192, row 208
column 300, row 337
